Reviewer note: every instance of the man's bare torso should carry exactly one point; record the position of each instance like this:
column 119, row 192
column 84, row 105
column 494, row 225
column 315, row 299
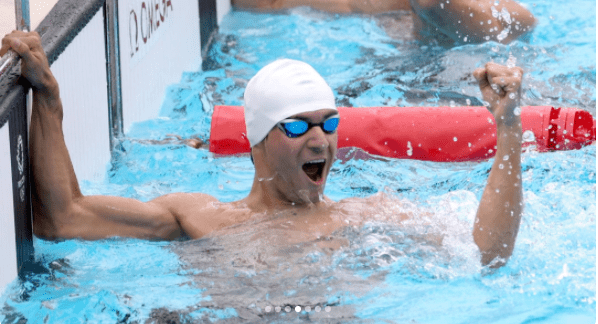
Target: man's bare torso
column 201, row 215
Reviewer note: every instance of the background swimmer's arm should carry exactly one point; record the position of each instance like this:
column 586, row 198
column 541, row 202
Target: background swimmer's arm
column 59, row 208
column 466, row 21
column 333, row 6
column 499, row 214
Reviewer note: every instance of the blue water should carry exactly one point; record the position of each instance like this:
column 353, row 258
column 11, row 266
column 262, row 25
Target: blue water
column 388, row 273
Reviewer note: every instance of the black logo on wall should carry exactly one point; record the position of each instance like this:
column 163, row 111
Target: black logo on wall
column 20, row 156
column 143, row 23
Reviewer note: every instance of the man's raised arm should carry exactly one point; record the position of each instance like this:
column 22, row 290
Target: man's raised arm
column 499, row 214
column 59, row 208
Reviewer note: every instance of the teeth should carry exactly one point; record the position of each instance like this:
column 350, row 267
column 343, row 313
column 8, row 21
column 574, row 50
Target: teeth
column 316, row 161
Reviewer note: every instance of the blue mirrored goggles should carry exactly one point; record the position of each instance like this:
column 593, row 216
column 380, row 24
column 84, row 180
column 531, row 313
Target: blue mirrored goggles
column 297, row 127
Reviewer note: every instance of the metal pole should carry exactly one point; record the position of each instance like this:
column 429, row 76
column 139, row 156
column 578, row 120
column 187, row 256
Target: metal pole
column 21, row 177
column 115, row 115
column 22, row 15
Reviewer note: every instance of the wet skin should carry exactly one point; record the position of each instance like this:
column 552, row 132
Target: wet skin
column 445, row 22
column 61, row 211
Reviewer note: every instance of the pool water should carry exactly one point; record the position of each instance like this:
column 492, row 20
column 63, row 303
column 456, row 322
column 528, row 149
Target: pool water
column 425, row 270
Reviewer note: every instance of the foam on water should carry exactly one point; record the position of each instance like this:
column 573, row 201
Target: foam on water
column 424, row 269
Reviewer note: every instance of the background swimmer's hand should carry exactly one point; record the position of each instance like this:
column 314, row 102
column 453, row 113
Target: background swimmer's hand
column 34, row 63
column 501, row 88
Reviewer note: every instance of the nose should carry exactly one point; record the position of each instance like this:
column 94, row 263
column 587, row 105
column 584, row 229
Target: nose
column 317, row 141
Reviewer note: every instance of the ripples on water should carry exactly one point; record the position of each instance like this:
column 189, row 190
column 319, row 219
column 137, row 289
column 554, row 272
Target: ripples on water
column 425, row 271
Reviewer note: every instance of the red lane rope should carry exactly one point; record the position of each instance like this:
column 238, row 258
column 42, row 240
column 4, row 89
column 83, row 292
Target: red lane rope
column 439, row 134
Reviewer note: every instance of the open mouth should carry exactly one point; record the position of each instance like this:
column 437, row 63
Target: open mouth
column 314, row 169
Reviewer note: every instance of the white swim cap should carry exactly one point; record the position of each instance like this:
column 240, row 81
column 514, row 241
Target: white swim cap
column 282, row 89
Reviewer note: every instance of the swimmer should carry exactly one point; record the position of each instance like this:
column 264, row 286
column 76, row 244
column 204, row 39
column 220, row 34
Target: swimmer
column 448, row 22
column 291, row 121
column 173, row 139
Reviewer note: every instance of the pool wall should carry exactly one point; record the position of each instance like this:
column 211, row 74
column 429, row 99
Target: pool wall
column 157, row 41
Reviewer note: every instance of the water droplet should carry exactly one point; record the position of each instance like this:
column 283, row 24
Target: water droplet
column 505, row 15
column 471, row 14
column 494, row 13
column 497, row 190
column 469, row 144
column 512, row 95
column 489, row 21
column 511, row 61
column 517, row 111
column 409, row 149
column 490, row 121
column 452, row 103
column 455, row 139
column 501, row 166
column 467, row 101
column 441, row 5
column 490, row 151
column 505, row 158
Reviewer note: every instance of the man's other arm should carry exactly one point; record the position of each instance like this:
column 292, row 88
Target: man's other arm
column 59, row 208
column 499, row 214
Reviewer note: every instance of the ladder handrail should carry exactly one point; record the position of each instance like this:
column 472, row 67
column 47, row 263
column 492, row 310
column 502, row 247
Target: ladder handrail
column 73, row 16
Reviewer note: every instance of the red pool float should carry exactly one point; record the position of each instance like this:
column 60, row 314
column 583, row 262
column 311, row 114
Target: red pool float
column 441, row 134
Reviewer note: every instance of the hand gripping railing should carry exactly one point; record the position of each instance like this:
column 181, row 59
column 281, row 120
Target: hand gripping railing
column 58, row 29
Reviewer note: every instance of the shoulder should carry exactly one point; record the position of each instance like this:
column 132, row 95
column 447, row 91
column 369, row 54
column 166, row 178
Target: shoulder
column 200, row 214
column 181, row 203
column 183, row 197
